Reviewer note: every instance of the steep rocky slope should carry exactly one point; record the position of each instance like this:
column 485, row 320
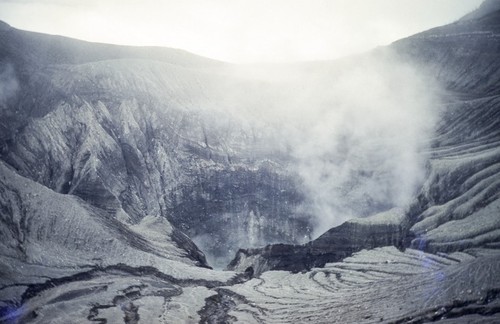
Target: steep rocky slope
column 134, row 131
column 458, row 206
column 110, row 154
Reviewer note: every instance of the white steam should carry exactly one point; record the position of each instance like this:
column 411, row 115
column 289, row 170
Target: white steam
column 355, row 129
column 360, row 151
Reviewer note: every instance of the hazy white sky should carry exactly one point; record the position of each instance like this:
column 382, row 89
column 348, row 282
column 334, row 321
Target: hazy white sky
column 239, row 30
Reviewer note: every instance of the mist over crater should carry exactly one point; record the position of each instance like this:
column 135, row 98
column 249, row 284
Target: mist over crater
column 152, row 185
column 353, row 132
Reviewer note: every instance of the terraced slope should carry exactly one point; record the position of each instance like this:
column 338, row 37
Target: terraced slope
column 458, row 206
column 383, row 285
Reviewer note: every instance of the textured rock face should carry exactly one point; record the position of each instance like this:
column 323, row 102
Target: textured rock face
column 106, row 150
column 379, row 286
column 458, row 206
column 51, row 229
column 127, row 131
column 384, row 229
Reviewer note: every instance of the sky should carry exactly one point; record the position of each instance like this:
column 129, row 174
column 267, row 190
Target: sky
column 240, row 31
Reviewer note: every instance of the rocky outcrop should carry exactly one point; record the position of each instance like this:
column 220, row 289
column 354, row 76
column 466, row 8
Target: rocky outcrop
column 384, row 229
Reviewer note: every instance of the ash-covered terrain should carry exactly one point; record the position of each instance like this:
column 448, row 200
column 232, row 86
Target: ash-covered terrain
column 360, row 190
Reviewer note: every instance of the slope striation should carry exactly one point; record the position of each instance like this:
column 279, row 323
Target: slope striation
column 457, row 206
column 110, row 154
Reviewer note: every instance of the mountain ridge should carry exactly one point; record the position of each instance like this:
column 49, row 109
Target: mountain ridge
column 487, row 7
column 62, row 49
column 105, row 165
